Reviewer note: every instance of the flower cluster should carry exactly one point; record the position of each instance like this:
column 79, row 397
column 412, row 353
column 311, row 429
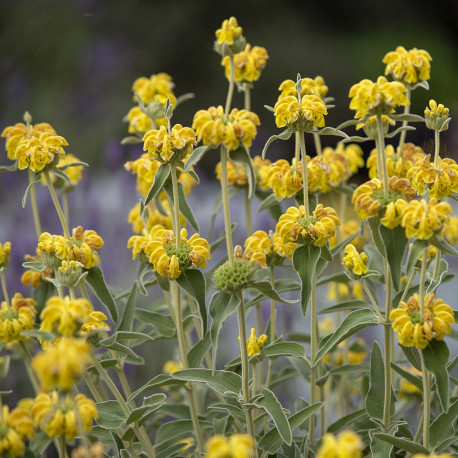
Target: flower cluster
column 254, row 343
column 16, row 427
column 408, row 66
column 345, row 445
column 5, row 250
column 295, row 226
column 248, row 64
column 417, row 331
column 18, row 317
column 354, row 261
column 271, row 247
column 300, row 114
column 230, row 35
column 213, row 127
column 378, row 98
column 236, row 446
column 436, row 116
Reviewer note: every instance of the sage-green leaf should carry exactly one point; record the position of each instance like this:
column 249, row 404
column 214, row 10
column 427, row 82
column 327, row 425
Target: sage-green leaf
column 269, row 402
column 36, row 177
column 266, row 289
column 185, row 208
column 110, row 414
column 379, row 448
column 198, row 352
column 347, row 305
column 331, row 131
column 285, row 135
column 268, row 202
column 410, row 117
column 415, row 250
column 338, row 277
column 37, row 266
column 341, row 423
column 395, row 242
column 192, row 281
column 414, row 379
column 403, row 444
column 9, row 168
column 443, row 245
column 197, row 155
column 220, row 381
column 399, row 130
column 96, row 281
column 159, row 179
column 305, row 259
column 40, row 443
column 156, row 382
column 163, row 324
column 277, row 349
column 439, row 428
column 233, row 410
column 127, row 318
column 374, row 225
column 150, row 405
column 352, row 323
column 241, row 155
column 436, row 356
column 340, row 246
column 177, row 429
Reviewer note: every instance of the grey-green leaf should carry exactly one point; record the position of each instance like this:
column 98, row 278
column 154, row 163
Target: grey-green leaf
column 401, row 443
column 110, row 415
column 220, row 381
column 159, row 179
column 285, row 135
column 127, row 318
column 440, row 427
column 96, row 281
column 395, row 242
column 241, row 155
column 193, row 282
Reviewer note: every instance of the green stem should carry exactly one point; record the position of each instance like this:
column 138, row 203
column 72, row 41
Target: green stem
column 273, row 313
column 371, row 298
column 437, row 265
column 247, row 97
column 184, row 359
column 230, row 92
column 176, row 206
column 65, row 207
column 245, row 367
column 62, row 447
column 387, row 346
column 313, row 350
column 71, row 290
column 382, row 153
column 248, row 218
column 4, row 289
column 406, row 289
column 28, row 367
column 421, row 291
column 404, row 124
column 57, row 204
column 33, row 201
column 304, row 175
column 317, row 142
column 297, row 149
column 227, row 215
column 436, row 147
column 426, row 401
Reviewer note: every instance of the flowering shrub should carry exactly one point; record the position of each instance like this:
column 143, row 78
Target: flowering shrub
column 376, row 278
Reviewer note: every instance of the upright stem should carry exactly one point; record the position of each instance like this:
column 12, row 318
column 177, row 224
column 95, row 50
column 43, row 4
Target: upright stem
column 304, row 175
column 176, row 206
column 387, row 347
column 273, row 325
column 313, row 351
column 436, row 147
column 382, row 153
column 404, row 124
column 57, row 204
column 62, row 447
column 317, row 141
column 426, row 401
column 4, row 289
column 248, row 218
column 437, row 265
column 421, row 290
column 247, row 97
column 227, row 215
column 245, row 367
column 371, row 298
column 184, row 359
column 71, row 290
column 65, row 207
column 33, row 201
column 297, row 149
column 230, row 92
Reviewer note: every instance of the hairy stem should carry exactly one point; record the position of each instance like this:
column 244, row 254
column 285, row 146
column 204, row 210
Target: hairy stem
column 230, row 92
column 176, row 204
column 57, row 204
column 387, row 347
column 382, row 153
column 404, row 124
column 227, row 215
column 313, row 350
column 33, row 201
column 304, row 175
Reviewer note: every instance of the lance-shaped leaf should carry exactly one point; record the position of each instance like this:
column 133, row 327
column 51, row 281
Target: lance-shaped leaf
column 185, row 208
column 399, row 130
column 156, row 382
column 36, row 177
column 413, row 356
column 401, row 443
column 127, row 318
column 285, row 135
column 221, row 306
column 269, row 402
column 353, row 322
column 197, row 155
column 441, row 426
column 73, row 164
column 159, row 179
column 150, row 405
column 198, row 352
column 436, row 356
column 276, row 349
column 305, row 259
column 414, row 252
column 38, row 266
column 193, row 282
column 96, row 281
column 443, row 245
column 347, row 305
column 220, row 381
column 110, row 414
column 409, row 117
column 331, row 131
column 374, row 224
column 241, row 155
column 356, row 139
column 346, row 420
column 8, row 168
column 265, row 288
column 413, row 379
column 395, row 242
column 177, row 430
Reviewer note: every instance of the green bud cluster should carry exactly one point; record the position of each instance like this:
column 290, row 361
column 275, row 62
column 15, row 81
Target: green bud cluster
column 233, row 278
column 182, row 253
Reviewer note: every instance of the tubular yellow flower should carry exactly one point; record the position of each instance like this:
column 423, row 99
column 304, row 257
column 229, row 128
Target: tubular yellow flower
column 172, row 366
column 423, row 219
column 293, row 226
column 214, row 128
column 354, row 261
column 237, row 446
column 309, row 86
column 381, row 97
column 441, row 181
column 337, row 291
column 19, row 132
column 450, row 230
column 229, row 31
column 155, row 217
column 17, row 318
column 148, row 88
column 346, row 445
column 284, row 178
column 139, row 122
column 436, row 116
column 434, row 455
column 163, row 146
column 5, row 250
column 236, row 173
column 415, row 330
column 254, row 343
column 62, row 365
column 309, row 113
column 15, row 428
column 37, row 152
column 248, row 64
column 250, row 256
column 348, row 228
column 282, row 249
column 397, row 165
column 170, row 261
column 261, row 166
column 57, row 416
column 408, row 66
column 145, row 170
column 354, row 155
column 271, row 247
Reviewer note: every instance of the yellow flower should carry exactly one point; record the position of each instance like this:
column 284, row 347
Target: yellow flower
column 145, row 170
column 317, row 229
column 139, row 122
column 346, row 445
column 408, row 66
column 66, row 316
column 354, row 261
column 237, row 446
column 416, row 330
column 17, row 318
column 172, row 366
column 311, row 111
column 155, row 217
column 271, row 247
column 358, row 291
column 338, row 291
column 408, row 388
column 33, row 278
column 163, row 146
column 434, row 455
column 15, row 428
column 284, row 178
column 236, row 173
column 354, row 155
column 381, row 97
column 348, row 228
column 58, row 417
column 250, row 256
column 261, row 166
column 254, row 343
column 167, row 259
column 5, row 250
column 95, row 451
column 229, row 31
column 19, row 132
column 442, row 181
column 309, row 86
column 356, row 353
column 64, row 364
column 397, row 165
column 37, row 152
column 248, row 64
column 423, row 219
column 450, row 230
column 148, row 88
column 436, row 116
column 214, row 128
column 83, row 246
